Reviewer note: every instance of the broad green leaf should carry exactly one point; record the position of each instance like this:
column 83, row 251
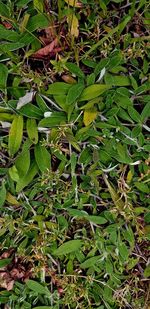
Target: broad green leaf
column 96, row 219
column 74, row 69
column 142, row 187
column 2, row 194
column 123, row 251
column 22, row 163
column 3, row 76
column 134, row 114
column 145, row 112
column 13, row 173
column 32, row 130
column 25, row 181
column 90, row 262
column 4, row 262
column 8, row 35
column 58, row 88
column 41, row 104
column 123, row 154
column 56, row 119
column 68, row 247
column 38, row 21
column 61, row 101
column 74, row 93
column 119, row 80
column 89, row 115
column 37, row 287
column 15, row 135
column 7, row 47
column 42, row 157
column 22, row 3
column 31, row 111
column 93, row 91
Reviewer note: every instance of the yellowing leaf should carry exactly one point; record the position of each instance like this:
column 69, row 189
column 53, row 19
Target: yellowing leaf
column 24, row 22
column 114, row 195
column 129, row 177
column 89, row 115
column 73, row 25
column 74, row 3
column 15, row 135
column 11, row 199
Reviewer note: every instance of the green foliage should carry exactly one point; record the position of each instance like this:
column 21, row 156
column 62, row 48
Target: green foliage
column 74, row 155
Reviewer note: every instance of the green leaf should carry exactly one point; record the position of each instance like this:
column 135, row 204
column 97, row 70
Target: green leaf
column 42, row 157
column 123, row 251
column 22, row 163
column 15, row 135
column 90, row 262
column 32, row 130
column 41, row 104
column 38, row 21
column 55, row 119
column 38, row 5
column 74, row 69
column 58, row 88
column 4, row 11
column 142, row 187
column 123, row 154
column 3, row 76
column 96, row 219
column 134, row 114
column 93, row 91
column 5, row 262
column 31, row 111
column 2, row 194
column 114, row 80
column 74, row 93
column 37, row 287
column 68, row 247
column 25, row 181
column 145, row 112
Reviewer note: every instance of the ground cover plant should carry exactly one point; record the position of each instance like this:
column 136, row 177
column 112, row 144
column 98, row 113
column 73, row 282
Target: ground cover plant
column 74, row 154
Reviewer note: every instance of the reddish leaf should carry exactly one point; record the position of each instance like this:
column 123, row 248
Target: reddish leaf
column 45, row 51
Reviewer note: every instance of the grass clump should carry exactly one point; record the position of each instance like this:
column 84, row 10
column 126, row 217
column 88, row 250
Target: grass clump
column 74, row 154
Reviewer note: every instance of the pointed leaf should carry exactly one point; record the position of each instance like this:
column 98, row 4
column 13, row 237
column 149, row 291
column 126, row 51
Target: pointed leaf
column 37, row 287
column 68, row 247
column 25, row 181
column 22, row 163
column 3, row 76
column 74, row 93
column 93, row 91
column 2, row 194
column 15, row 135
column 42, row 157
column 32, row 130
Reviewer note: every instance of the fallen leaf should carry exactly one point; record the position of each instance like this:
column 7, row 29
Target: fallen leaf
column 45, row 51
column 27, row 98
